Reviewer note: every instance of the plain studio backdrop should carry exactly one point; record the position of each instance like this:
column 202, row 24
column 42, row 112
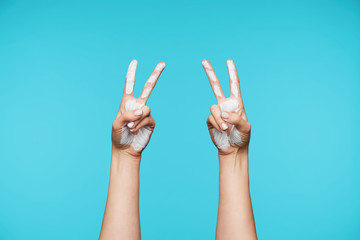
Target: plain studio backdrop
column 62, row 72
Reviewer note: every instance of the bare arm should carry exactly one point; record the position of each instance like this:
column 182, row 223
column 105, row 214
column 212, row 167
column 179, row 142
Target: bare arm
column 230, row 132
column 131, row 132
column 121, row 218
column 235, row 215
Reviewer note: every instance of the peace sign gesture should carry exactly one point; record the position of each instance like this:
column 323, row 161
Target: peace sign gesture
column 133, row 125
column 227, row 123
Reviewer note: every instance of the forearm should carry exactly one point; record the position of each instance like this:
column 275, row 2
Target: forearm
column 235, row 215
column 121, row 218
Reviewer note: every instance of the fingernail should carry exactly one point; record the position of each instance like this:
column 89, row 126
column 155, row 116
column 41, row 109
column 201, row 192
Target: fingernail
column 138, row 112
column 130, row 124
column 224, row 126
column 224, row 115
column 131, row 130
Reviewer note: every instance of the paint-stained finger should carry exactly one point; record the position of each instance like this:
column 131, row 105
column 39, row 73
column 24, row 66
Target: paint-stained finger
column 130, row 78
column 214, row 81
column 234, row 81
column 216, row 113
column 151, row 82
column 145, row 112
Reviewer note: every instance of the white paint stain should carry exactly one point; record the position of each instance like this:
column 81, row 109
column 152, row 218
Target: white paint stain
column 217, row 91
column 206, row 64
column 235, row 137
column 152, row 78
column 234, row 90
column 130, row 77
column 159, row 67
column 146, row 92
column 209, row 71
column 231, row 65
column 231, row 105
column 141, row 139
column 233, row 77
column 211, row 75
column 221, row 139
column 132, row 105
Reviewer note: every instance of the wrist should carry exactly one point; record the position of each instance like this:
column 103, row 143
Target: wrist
column 121, row 157
column 237, row 159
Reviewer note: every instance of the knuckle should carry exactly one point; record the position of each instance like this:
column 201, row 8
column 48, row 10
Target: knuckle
column 146, row 110
column 115, row 124
column 237, row 117
column 213, row 108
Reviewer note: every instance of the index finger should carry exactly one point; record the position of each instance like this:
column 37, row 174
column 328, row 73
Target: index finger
column 214, row 81
column 130, row 78
column 151, row 82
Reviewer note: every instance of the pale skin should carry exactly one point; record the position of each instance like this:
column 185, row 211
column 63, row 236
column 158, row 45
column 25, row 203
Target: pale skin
column 235, row 215
column 121, row 217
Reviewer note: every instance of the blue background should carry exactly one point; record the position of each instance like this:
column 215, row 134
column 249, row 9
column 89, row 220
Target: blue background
column 62, row 71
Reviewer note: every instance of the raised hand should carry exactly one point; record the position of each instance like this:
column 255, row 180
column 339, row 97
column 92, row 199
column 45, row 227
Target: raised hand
column 227, row 123
column 133, row 125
